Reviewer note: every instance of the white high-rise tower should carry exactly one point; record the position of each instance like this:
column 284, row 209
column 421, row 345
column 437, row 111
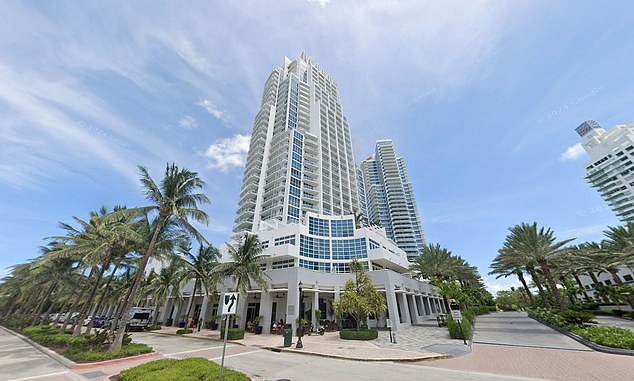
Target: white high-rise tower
column 610, row 168
column 389, row 198
column 300, row 156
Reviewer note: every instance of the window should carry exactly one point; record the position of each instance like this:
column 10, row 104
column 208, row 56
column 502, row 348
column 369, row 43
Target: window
column 314, row 247
column 607, row 282
column 283, row 264
column 342, row 228
column 349, row 249
column 318, row 226
column 265, row 244
column 289, row 239
column 373, row 244
column 628, row 278
column 315, row 266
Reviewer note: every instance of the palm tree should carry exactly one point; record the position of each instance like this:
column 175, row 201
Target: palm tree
column 175, row 200
column 506, row 264
column 435, row 262
column 538, row 246
column 200, row 268
column 244, row 266
column 165, row 284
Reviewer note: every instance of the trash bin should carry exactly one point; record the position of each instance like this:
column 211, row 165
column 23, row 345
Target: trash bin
column 288, row 335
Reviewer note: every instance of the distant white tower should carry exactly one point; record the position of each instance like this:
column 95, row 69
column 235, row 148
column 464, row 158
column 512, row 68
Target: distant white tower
column 389, row 198
column 300, row 157
column 611, row 166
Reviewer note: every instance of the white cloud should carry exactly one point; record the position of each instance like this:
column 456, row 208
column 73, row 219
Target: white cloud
column 573, row 153
column 212, row 109
column 188, row 123
column 228, row 153
column 583, row 231
column 494, row 285
column 322, row 3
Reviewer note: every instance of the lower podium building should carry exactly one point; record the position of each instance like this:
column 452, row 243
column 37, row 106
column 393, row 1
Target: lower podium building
column 314, row 255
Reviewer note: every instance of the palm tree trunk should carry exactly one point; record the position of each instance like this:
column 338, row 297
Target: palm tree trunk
column 103, row 295
column 118, row 341
column 538, row 284
column 553, row 286
column 75, row 303
column 615, row 276
column 520, row 276
column 191, row 301
column 91, row 296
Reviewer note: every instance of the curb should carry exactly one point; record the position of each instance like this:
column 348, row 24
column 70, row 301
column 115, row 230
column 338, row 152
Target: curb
column 587, row 343
column 413, row 359
column 85, row 365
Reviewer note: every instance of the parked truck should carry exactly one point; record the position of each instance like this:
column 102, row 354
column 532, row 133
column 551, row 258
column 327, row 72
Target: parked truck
column 139, row 318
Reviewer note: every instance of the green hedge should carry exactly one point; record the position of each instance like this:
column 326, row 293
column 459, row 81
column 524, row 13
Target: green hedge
column 233, row 334
column 184, row 331
column 191, row 369
column 454, row 328
column 363, row 334
column 153, row 328
column 85, row 348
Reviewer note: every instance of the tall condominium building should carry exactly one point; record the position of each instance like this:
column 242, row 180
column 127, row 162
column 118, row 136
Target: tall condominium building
column 300, row 157
column 388, row 198
column 611, row 166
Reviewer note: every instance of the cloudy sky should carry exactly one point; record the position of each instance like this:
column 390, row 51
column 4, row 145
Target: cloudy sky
column 480, row 97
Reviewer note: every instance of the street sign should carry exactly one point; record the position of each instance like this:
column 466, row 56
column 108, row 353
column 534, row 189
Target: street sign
column 230, row 303
column 456, row 315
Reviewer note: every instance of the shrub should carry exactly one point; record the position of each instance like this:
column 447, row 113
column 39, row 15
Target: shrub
column 184, row 331
column 80, row 355
column 153, row 328
column 363, row 334
column 455, row 331
column 601, row 313
column 577, row 317
column 480, row 310
column 631, row 314
column 233, row 334
column 492, row 308
column 585, row 307
column 609, row 336
column 191, row 369
column 619, row 313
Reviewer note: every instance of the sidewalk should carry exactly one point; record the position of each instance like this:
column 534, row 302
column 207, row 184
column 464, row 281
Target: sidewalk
column 412, row 344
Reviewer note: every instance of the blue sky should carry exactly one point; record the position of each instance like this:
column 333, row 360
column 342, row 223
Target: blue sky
column 480, row 97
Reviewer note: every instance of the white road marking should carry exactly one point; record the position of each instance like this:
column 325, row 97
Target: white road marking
column 14, row 348
column 194, row 350
column 237, row 354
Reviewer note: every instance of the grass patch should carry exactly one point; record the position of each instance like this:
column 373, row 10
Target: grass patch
column 362, row 334
column 191, row 369
column 184, row 331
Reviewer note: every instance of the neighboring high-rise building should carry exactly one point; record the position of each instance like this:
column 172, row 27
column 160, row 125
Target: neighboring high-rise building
column 388, row 198
column 611, row 166
column 300, row 156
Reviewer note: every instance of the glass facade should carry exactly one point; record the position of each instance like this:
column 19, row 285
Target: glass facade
column 314, row 247
column 342, row 228
column 318, row 226
column 349, row 249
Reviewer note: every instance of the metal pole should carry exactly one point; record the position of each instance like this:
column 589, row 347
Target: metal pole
column 461, row 331
column 224, row 346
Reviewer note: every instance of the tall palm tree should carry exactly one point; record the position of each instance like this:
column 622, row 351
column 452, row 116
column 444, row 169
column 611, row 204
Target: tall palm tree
column 538, row 246
column 166, row 283
column 177, row 200
column 244, row 267
column 200, row 268
column 435, row 262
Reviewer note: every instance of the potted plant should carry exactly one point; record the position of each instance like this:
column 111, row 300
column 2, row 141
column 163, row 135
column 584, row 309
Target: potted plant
column 213, row 322
column 258, row 328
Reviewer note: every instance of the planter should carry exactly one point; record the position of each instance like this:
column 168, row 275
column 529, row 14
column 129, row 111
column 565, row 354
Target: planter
column 363, row 334
column 258, row 330
column 233, row 334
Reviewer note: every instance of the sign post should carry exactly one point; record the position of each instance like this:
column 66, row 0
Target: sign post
column 389, row 327
column 457, row 317
column 229, row 307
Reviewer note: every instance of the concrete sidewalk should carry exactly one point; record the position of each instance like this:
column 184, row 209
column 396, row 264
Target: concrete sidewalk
column 330, row 345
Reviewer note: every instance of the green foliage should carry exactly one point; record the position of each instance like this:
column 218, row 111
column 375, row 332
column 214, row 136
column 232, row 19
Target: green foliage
column 233, row 334
column 362, row 334
column 360, row 298
column 585, row 307
column 577, row 317
column 608, row 336
column 454, row 328
column 184, row 331
column 191, row 369
column 153, row 328
column 78, row 354
column 87, row 348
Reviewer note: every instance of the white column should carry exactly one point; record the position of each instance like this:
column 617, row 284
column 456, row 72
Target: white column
column 392, row 307
column 242, row 310
column 266, row 304
column 412, row 308
column 203, row 309
column 315, row 305
column 406, row 315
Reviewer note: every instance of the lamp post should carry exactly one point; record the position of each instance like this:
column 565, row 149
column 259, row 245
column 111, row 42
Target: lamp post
column 300, row 326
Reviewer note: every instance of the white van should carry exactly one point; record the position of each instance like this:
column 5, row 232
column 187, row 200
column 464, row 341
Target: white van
column 139, row 318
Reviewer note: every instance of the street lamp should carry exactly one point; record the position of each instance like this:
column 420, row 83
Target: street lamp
column 300, row 327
